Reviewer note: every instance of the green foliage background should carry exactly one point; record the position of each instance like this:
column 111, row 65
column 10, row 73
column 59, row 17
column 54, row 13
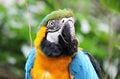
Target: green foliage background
column 91, row 14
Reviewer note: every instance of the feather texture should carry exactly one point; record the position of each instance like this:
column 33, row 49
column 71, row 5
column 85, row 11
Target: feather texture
column 56, row 15
column 29, row 64
column 81, row 67
column 95, row 65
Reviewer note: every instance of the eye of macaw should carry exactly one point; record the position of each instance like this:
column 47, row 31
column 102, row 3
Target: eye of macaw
column 53, row 25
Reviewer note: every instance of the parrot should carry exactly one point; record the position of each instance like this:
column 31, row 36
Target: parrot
column 56, row 54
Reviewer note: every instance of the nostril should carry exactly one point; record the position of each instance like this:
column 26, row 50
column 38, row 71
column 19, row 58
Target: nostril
column 63, row 21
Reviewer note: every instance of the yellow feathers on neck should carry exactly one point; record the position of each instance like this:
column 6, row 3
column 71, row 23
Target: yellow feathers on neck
column 40, row 36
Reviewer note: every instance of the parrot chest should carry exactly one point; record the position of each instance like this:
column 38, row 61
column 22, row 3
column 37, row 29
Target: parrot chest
column 43, row 74
column 50, row 68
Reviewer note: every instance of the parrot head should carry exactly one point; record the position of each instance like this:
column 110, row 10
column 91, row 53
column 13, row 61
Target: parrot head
column 59, row 36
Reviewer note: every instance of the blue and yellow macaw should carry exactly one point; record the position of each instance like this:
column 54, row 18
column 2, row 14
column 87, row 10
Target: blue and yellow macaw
column 56, row 54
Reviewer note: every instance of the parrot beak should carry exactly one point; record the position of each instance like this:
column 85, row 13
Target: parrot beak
column 67, row 38
column 70, row 24
column 68, row 30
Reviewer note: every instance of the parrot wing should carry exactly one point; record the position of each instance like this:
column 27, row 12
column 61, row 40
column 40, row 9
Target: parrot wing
column 96, row 65
column 82, row 67
column 29, row 63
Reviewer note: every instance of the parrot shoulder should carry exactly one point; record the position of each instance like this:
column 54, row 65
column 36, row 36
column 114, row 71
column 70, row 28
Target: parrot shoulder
column 83, row 64
column 29, row 63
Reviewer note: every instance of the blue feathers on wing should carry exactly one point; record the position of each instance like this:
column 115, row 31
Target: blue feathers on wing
column 29, row 63
column 81, row 67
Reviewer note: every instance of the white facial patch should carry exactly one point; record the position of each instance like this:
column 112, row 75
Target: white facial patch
column 53, row 36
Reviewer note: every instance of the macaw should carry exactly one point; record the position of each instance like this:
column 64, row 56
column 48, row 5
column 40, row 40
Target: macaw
column 56, row 54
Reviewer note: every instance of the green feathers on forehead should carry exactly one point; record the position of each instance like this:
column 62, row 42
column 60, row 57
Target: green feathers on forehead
column 56, row 15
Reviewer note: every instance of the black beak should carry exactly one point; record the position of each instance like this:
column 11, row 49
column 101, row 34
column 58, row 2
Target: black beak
column 68, row 32
column 67, row 39
column 70, row 24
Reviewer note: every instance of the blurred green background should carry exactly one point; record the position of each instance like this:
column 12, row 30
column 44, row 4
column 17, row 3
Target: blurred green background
column 97, row 28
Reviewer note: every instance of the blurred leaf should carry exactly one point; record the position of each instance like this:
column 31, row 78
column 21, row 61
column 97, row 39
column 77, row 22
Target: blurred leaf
column 77, row 26
column 2, row 9
column 113, row 5
column 90, row 45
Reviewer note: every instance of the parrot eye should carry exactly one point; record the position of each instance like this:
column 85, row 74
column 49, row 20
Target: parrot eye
column 52, row 25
